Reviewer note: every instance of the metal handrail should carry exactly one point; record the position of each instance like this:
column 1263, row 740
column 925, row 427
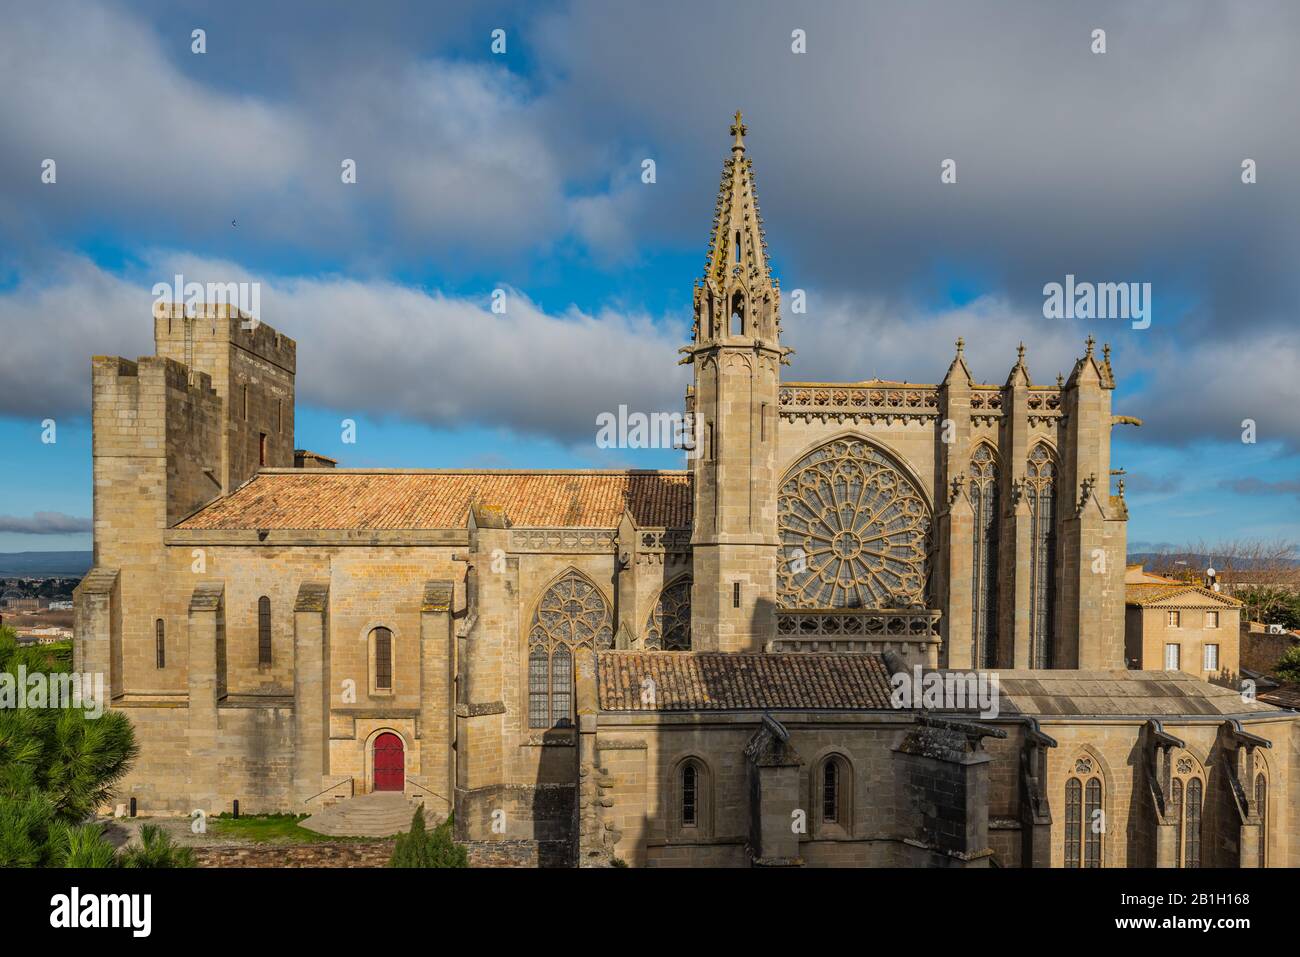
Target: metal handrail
column 440, row 797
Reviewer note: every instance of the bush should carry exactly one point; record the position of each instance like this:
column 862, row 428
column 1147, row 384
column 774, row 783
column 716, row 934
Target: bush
column 1288, row 666
column 422, row 848
column 156, row 849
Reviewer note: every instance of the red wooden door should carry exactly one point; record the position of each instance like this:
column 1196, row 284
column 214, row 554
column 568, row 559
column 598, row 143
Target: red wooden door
column 390, row 763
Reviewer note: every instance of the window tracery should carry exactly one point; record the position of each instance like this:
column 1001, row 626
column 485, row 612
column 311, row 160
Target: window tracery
column 984, row 567
column 855, row 531
column 1040, row 486
column 669, row 626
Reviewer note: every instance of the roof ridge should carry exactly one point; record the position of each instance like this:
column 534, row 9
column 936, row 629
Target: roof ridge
column 464, row 471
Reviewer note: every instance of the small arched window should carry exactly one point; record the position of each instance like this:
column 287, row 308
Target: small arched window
column 160, row 643
column 264, row 632
column 737, row 315
column 690, row 795
column 383, row 644
column 831, row 791
column 1261, row 804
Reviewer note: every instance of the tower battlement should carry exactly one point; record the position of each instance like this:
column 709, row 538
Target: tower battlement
column 225, row 324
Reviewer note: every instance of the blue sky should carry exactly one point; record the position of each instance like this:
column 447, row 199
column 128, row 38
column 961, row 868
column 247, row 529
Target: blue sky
column 522, row 171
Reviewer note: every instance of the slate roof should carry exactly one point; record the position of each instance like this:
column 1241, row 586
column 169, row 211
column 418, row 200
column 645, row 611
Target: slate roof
column 704, row 681
column 434, row 499
column 1100, row 693
column 1155, row 593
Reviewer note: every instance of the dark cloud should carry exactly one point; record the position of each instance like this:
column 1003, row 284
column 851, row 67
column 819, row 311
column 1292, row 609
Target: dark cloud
column 1255, row 486
column 45, row 523
column 1116, row 167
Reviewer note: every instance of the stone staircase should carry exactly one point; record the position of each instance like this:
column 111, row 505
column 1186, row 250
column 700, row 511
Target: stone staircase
column 378, row 814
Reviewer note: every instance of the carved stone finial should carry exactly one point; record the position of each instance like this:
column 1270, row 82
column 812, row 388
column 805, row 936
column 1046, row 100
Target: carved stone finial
column 1090, row 342
column 961, row 345
column 1060, row 380
column 738, row 130
column 1020, row 353
column 1105, row 352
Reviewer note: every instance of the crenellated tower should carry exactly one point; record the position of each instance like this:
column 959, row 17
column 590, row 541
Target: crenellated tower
column 737, row 355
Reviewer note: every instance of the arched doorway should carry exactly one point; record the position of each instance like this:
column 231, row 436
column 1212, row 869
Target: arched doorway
column 390, row 763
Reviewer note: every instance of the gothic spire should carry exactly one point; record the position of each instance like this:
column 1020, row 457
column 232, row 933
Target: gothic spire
column 737, row 248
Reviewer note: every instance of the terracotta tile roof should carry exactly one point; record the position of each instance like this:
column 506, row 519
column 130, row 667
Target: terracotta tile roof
column 415, row 499
column 1154, row 593
column 1283, row 696
column 704, row 681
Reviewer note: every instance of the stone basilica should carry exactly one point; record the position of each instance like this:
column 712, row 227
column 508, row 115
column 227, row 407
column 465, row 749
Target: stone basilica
column 665, row 667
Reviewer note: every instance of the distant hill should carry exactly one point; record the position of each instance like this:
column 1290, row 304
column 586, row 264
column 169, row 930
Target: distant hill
column 1201, row 562
column 44, row 564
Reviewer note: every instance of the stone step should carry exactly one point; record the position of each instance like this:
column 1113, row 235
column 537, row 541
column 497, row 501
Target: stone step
column 379, row 814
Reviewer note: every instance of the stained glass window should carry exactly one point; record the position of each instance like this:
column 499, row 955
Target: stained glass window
column 1176, row 815
column 1261, row 803
column 572, row 614
column 383, row 659
column 1094, row 823
column 1040, row 487
column 984, row 566
column 690, row 795
column 1193, row 819
column 855, row 532
column 1073, row 819
column 669, row 626
column 264, row 631
column 831, row 791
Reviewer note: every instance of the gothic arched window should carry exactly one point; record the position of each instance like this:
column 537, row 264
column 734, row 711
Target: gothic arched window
column 1040, row 486
column 737, row 311
column 381, row 643
column 855, row 531
column 1085, row 820
column 669, row 626
column 984, row 566
column 263, row 631
column 1192, row 838
column 1261, row 804
column 690, row 786
column 690, row 796
column 572, row 614
column 1186, row 796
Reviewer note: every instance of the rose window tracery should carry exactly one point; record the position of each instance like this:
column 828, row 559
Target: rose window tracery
column 855, row 532
column 573, row 613
column 669, row 626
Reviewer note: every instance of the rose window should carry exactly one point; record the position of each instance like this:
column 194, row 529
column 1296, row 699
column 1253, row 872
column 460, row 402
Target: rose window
column 855, row 532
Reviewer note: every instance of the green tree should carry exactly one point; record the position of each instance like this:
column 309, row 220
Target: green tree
column 421, row 848
column 1288, row 666
column 57, row 766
